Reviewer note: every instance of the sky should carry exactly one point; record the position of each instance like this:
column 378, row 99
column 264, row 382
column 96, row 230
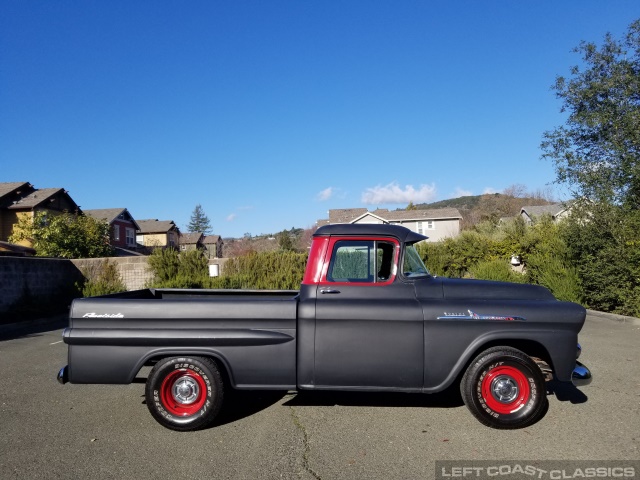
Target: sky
column 270, row 113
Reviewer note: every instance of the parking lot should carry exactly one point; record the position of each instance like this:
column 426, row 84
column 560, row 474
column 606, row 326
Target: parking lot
column 103, row 431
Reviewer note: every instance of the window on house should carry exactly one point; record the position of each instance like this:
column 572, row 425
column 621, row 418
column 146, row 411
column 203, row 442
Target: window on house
column 183, row 247
column 131, row 236
column 429, row 225
column 116, row 233
column 420, row 229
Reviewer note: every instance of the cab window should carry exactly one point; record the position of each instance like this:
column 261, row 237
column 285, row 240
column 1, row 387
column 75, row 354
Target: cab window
column 362, row 261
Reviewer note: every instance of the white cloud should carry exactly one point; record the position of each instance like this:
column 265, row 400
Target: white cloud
column 392, row 193
column 231, row 217
column 489, row 190
column 460, row 192
column 325, row 194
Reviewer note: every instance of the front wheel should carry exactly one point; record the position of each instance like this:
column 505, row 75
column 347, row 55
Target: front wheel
column 504, row 388
column 184, row 393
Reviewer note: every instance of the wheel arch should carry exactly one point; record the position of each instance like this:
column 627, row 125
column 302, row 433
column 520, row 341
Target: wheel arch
column 528, row 346
column 532, row 348
column 220, row 360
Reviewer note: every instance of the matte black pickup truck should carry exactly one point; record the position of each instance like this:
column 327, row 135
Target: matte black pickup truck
column 368, row 317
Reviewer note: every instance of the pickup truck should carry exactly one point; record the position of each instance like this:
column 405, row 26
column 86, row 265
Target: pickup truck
column 368, row 317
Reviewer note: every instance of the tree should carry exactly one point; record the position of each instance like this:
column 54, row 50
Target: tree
column 65, row 235
column 285, row 242
column 596, row 153
column 199, row 221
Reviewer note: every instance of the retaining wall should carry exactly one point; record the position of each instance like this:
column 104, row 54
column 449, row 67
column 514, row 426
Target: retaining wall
column 30, row 285
column 134, row 271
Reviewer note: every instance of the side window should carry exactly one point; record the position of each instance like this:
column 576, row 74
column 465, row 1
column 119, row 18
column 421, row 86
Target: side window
column 361, row 261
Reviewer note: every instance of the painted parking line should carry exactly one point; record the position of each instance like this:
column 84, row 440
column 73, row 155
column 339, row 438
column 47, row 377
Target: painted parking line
column 54, row 343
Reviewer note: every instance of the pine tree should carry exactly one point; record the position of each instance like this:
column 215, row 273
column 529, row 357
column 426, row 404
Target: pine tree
column 199, row 221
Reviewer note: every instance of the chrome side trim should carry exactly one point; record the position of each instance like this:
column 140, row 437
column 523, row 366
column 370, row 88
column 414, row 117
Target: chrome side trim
column 478, row 316
column 581, row 375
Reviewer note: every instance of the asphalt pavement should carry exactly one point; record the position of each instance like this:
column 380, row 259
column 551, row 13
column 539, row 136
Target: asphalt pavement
column 105, row 431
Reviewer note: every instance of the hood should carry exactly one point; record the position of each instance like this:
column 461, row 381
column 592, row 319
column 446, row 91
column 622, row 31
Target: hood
column 456, row 288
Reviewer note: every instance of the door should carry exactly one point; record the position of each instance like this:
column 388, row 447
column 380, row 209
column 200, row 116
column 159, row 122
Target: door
column 369, row 325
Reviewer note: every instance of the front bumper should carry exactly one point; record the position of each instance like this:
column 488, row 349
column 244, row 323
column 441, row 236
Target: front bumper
column 63, row 375
column 581, row 375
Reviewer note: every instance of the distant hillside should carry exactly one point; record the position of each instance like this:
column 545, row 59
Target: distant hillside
column 492, row 206
column 464, row 203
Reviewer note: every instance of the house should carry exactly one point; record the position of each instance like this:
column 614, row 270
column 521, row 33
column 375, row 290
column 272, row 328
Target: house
column 213, row 246
column 191, row 241
column 158, row 233
column 437, row 224
column 18, row 199
column 556, row 211
column 123, row 225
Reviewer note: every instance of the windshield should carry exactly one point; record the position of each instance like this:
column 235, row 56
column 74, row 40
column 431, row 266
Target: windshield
column 412, row 265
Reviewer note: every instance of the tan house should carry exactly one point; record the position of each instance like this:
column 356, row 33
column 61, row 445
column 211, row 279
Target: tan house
column 437, row 224
column 158, row 233
column 18, row 199
column 213, row 245
column 191, row 241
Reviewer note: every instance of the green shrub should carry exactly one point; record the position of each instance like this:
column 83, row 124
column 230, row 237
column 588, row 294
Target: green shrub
column 604, row 247
column 499, row 270
column 101, row 278
column 172, row 269
column 164, row 263
column 263, row 271
column 556, row 274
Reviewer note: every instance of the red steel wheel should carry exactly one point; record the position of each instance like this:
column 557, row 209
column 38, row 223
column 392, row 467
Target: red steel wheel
column 504, row 388
column 184, row 393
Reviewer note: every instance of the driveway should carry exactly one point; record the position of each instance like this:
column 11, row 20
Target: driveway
column 103, row 431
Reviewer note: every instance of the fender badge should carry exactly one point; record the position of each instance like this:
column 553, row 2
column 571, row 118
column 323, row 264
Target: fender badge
column 478, row 316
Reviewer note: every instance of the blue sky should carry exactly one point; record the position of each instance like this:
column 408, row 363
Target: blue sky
column 270, row 113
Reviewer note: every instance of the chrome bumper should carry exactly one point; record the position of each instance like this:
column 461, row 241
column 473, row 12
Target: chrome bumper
column 63, row 375
column 581, row 375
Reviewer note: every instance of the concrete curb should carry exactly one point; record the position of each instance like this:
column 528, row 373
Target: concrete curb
column 614, row 317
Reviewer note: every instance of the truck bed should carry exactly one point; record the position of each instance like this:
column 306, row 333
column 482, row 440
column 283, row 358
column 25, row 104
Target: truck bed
column 111, row 337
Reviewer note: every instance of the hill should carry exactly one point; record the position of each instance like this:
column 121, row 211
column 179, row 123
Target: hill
column 490, row 206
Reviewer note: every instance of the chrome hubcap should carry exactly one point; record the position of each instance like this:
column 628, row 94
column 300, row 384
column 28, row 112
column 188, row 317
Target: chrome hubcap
column 185, row 390
column 504, row 389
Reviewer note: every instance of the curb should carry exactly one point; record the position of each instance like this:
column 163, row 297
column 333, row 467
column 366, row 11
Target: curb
column 614, row 317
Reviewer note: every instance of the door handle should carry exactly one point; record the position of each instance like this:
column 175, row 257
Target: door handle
column 329, row 290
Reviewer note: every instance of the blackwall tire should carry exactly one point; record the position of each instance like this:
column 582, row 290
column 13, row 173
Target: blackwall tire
column 504, row 388
column 184, row 393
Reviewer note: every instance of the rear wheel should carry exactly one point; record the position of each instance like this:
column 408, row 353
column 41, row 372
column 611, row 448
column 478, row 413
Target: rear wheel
column 184, row 393
column 504, row 388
